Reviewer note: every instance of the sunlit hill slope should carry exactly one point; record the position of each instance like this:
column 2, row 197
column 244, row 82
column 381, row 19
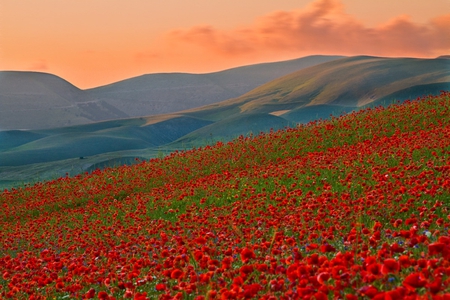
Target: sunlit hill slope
column 354, row 207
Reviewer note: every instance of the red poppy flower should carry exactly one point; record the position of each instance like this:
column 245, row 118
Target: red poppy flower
column 435, row 286
column 320, row 296
column 369, row 291
column 374, row 268
column 435, row 248
column 351, row 297
column 176, row 274
column 246, row 269
column 90, row 294
column 262, row 267
column 200, row 240
column 128, row 294
column 247, row 254
column 198, row 255
column 445, row 239
column 251, row 290
column 414, row 280
column 390, row 265
column 323, row 277
column 404, row 261
column 102, row 295
column 327, row 248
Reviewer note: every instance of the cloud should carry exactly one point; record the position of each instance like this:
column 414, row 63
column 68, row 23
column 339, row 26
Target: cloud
column 142, row 56
column 40, row 65
column 323, row 27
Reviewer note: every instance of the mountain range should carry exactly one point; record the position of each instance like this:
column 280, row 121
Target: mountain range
column 314, row 90
column 34, row 100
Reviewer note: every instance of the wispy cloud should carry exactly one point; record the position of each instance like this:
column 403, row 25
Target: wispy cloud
column 40, row 65
column 143, row 56
column 323, row 27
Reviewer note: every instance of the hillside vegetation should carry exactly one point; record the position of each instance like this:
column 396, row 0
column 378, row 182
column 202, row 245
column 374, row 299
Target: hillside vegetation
column 351, row 207
column 331, row 88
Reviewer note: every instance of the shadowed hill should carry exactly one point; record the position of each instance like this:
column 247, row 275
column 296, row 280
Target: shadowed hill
column 413, row 92
column 34, row 100
column 92, row 139
column 230, row 128
column 14, row 138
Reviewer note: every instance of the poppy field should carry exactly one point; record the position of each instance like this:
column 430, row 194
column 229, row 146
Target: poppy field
column 355, row 207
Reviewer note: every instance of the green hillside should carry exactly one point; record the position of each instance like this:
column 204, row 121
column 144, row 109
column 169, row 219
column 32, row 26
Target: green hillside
column 354, row 207
column 231, row 128
column 94, row 139
column 348, row 82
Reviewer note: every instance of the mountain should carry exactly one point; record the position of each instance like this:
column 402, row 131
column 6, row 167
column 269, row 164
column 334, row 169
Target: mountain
column 155, row 94
column 343, row 84
column 331, row 88
column 34, row 100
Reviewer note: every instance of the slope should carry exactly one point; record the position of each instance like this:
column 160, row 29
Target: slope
column 346, row 84
column 93, row 139
column 34, row 100
column 155, row 94
column 349, row 208
column 317, row 92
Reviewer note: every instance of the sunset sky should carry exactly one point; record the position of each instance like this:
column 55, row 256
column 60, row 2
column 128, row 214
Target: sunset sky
column 96, row 42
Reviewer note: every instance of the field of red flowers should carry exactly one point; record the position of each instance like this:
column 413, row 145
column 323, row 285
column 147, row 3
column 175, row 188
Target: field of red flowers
column 352, row 207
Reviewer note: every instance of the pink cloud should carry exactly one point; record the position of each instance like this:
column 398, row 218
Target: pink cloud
column 143, row 56
column 40, row 65
column 323, row 27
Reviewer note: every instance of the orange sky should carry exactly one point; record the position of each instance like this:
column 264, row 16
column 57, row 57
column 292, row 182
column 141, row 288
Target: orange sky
column 96, row 42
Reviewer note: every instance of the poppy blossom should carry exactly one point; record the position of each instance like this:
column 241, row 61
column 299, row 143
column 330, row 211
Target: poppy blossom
column 436, row 248
column 323, row 277
column 390, row 265
column 247, row 254
column 176, row 274
column 344, row 208
column 414, row 280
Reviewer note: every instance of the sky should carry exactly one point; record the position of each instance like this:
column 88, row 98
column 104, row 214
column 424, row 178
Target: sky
column 96, row 42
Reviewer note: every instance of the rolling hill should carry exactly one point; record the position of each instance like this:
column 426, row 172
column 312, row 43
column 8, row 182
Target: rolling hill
column 345, row 83
column 34, row 100
column 92, row 139
column 331, row 88
column 155, row 94
column 350, row 208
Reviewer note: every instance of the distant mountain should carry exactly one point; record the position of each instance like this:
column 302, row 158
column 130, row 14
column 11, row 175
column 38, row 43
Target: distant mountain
column 344, row 84
column 155, row 94
column 34, row 100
